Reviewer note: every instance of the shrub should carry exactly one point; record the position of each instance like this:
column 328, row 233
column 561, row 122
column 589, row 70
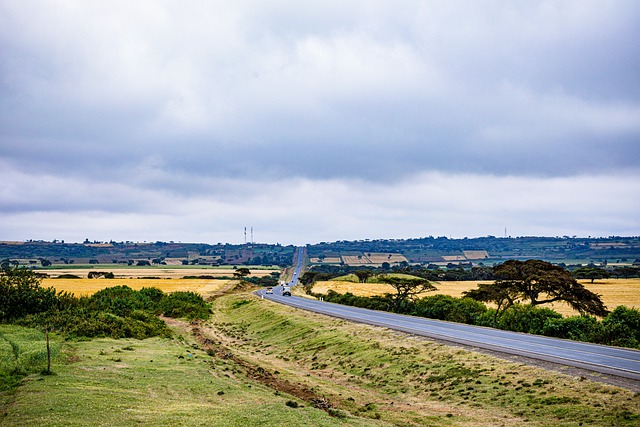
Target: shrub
column 81, row 323
column 21, row 294
column 444, row 307
column 579, row 328
column 189, row 305
column 68, row 276
column 622, row 327
column 526, row 318
column 122, row 300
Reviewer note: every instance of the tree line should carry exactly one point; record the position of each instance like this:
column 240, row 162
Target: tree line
column 518, row 291
column 462, row 271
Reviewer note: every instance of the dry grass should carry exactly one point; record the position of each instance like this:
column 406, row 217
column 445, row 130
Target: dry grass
column 85, row 287
column 475, row 254
column 162, row 272
column 326, row 260
column 373, row 258
column 614, row 292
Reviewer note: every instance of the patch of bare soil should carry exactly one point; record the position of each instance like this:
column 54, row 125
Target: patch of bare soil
column 207, row 339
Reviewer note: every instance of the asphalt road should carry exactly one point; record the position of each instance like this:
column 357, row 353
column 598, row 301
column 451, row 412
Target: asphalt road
column 598, row 358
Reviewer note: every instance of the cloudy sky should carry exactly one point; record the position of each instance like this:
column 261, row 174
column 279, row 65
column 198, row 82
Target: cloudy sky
column 318, row 121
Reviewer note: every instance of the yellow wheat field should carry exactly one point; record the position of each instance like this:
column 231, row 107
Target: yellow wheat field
column 166, row 272
column 614, row 292
column 326, row 260
column 373, row 258
column 86, row 287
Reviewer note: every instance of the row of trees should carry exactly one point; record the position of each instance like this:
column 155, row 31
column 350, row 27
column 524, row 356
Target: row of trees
column 621, row 327
column 535, row 282
column 459, row 272
column 518, row 292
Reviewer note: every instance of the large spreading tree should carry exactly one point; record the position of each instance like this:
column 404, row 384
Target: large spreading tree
column 537, row 282
column 406, row 288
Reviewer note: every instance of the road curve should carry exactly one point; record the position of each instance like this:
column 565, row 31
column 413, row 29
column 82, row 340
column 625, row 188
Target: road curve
column 598, row 358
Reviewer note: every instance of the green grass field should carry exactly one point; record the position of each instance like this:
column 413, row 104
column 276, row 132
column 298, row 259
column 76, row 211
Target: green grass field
column 22, row 351
column 154, row 382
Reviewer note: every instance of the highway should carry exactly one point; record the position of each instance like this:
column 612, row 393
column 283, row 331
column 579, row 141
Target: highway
column 598, row 358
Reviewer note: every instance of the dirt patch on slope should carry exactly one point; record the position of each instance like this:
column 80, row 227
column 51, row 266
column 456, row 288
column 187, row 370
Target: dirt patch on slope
column 206, row 338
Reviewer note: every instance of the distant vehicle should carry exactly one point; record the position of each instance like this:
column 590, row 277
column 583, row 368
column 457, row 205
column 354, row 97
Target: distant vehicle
column 269, row 290
column 286, row 291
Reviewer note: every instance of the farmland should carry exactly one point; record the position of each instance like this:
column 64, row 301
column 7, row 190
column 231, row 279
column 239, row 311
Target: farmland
column 489, row 250
column 85, row 287
column 373, row 258
column 166, row 279
column 159, row 272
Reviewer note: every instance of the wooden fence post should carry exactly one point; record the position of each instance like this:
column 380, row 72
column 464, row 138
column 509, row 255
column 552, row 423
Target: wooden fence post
column 46, row 332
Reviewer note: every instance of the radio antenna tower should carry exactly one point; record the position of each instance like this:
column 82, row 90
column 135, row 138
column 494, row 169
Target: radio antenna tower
column 245, row 235
column 252, row 235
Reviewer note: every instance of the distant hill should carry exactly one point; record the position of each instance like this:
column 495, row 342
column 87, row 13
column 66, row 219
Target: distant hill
column 159, row 253
column 426, row 250
column 482, row 250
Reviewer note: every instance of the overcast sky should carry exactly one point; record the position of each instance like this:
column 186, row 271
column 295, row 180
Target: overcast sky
column 318, row 121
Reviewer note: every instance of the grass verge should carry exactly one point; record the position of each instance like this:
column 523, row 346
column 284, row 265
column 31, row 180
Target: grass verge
column 23, row 351
column 152, row 382
column 375, row 373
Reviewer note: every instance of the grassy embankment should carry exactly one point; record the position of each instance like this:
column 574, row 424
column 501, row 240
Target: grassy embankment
column 154, row 382
column 369, row 376
column 370, row 372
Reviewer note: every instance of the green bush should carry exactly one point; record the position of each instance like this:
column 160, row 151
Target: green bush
column 189, row 305
column 120, row 300
column 445, row 307
column 526, row 318
column 381, row 303
column 82, row 323
column 21, row 294
column 579, row 328
column 622, row 327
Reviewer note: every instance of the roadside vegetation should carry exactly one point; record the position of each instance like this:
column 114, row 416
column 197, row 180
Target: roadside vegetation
column 152, row 382
column 369, row 372
column 116, row 312
column 513, row 301
column 255, row 362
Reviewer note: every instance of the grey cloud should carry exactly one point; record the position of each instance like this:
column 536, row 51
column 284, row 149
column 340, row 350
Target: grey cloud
column 152, row 99
column 301, row 211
